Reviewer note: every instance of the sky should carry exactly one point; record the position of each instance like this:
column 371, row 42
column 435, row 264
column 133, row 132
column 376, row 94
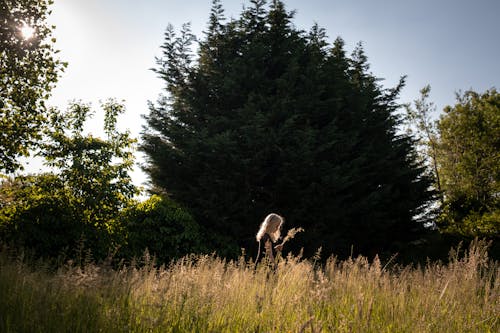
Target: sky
column 111, row 45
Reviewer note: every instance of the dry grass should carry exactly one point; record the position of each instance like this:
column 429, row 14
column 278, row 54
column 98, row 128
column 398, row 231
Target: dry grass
column 209, row 294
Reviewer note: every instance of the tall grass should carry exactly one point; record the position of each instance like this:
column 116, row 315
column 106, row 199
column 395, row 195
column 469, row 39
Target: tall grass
column 210, row 294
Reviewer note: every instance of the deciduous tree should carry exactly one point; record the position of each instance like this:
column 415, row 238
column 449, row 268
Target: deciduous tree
column 424, row 129
column 28, row 72
column 469, row 164
column 84, row 196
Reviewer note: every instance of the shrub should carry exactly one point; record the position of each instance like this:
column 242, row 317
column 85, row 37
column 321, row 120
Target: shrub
column 39, row 213
column 162, row 227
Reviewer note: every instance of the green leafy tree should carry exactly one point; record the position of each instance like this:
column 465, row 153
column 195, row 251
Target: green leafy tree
column 425, row 130
column 83, row 199
column 28, row 73
column 469, row 164
column 95, row 170
column 270, row 118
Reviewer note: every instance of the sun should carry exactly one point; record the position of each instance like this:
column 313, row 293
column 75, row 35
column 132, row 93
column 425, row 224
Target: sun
column 27, row 31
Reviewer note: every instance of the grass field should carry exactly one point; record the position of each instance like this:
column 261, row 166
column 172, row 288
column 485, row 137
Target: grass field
column 210, row 294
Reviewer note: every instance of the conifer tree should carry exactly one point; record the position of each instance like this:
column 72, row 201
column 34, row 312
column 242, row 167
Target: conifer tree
column 269, row 118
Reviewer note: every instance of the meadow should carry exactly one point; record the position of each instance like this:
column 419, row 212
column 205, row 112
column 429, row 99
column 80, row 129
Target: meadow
column 211, row 294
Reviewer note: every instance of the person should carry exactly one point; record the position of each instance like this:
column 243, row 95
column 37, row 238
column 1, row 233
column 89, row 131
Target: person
column 269, row 233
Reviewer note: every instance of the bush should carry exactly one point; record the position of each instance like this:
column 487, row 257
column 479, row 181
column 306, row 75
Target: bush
column 42, row 214
column 39, row 213
column 163, row 228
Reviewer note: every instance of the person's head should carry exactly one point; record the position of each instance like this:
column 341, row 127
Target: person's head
column 272, row 226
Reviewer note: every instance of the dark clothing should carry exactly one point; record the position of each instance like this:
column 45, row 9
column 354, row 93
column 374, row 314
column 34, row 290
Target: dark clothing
column 266, row 248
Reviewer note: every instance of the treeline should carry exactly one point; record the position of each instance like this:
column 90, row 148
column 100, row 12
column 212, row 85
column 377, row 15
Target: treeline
column 263, row 117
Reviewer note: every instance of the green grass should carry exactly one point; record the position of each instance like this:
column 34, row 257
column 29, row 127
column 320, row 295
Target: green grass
column 209, row 294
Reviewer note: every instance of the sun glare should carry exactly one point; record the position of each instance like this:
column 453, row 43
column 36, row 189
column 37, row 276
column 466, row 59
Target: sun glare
column 27, row 31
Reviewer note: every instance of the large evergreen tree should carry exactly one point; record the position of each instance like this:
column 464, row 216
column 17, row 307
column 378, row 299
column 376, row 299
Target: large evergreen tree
column 271, row 118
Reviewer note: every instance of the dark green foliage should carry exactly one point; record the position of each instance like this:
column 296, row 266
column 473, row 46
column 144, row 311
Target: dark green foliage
column 42, row 214
column 39, row 213
column 469, row 155
column 163, row 228
column 88, row 204
column 82, row 201
column 28, row 72
column 271, row 119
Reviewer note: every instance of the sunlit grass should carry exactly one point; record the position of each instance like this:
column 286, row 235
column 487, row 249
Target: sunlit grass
column 209, row 294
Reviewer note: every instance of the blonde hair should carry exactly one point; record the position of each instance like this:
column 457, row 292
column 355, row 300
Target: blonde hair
column 271, row 226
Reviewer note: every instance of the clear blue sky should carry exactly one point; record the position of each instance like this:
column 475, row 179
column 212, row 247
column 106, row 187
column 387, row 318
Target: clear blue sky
column 111, row 44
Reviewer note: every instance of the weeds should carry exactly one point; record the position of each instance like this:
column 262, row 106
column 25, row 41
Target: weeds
column 210, row 294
